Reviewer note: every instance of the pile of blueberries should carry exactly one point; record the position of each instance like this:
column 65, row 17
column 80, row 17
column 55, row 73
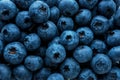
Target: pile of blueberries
column 59, row 40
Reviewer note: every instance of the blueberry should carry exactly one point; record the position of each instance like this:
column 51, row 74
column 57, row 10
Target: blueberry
column 39, row 11
column 25, row 22
column 21, row 73
column 54, row 13
column 85, row 35
column 83, row 54
column 32, row 42
column 99, row 25
column 42, row 74
column 51, row 3
column 117, row 3
column 81, row 17
column 56, row 53
column 113, row 38
column 1, row 47
column 69, row 39
column 68, row 7
column 23, row 4
column 8, row 10
column 107, row 8
column 10, row 32
column 23, row 35
column 5, row 72
column 98, row 46
column 41, row 51
column 56, row 40
column 14, row 52
column 65, row 23
column 101, row 63
column 89, row 4
column 117, row 17
column 114, row 54
column 33, row 63
column 70, row 69
column 114, row 74
column 47, row 31
column 87, row 74
column 55, row 76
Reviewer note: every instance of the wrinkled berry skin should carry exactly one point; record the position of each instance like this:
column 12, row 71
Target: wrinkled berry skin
column 11, row 32
column 8, row 10
column 39, row 11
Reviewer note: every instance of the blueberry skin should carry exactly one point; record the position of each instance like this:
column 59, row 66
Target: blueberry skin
column 85, row 35
column 113, row 38
column 101, row 63
column 89, row 4
column 22, row 73
column 68, row 7
column 32, row 42
column 81, row 17
column 47, row 31
column 107, row 8
column 33, row 63
column 70, row 69
column 99, row 25
column 39, row 11
column 87, row 74
column 116, row 17
column 8, row 10
column 54, row 13
column 114, row 54
column 55, row 76
column 41, row 51
column 65, row 23
column 56, row 53
column 42, row 74
column 56, row 40
column 25, row 22
column 51, row 3
column 69, row 39
column 5, row 72
column 98, row 46
column 1, row 47
column 10, row 32
column 14, row 52
column 23, row 35
column 23, row 4
column 83, row 54
column 114, row 74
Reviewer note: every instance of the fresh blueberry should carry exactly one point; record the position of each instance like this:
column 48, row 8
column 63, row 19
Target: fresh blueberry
column 101, row 63
column 81, row 17
column 113, row 38
column 89, row 4
column 68, row 7
column 22, row 73
column 56, row 40
column 23, row 35
column 5, row 72
column 55, row 76
column 23, row 4
column 41, row 51
column 39, row 11
column 54, row 14
column 114, row 74
column 98, row 46
column 32, row 42
column 114, row 54
column 23, row 20
column 65, row 23
column 42, row 74
column 56, row 53
column 69, row 39
column 107, row 8
column 47, row 31
column 8, row 10
column 85, row 35
column 33, row 63
column 87, row 74
column 117, row 17
column 70, row 69
column 99, row 25
column 14, row 52
column 10, row 32
column 51, row 3
column 83, row 54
